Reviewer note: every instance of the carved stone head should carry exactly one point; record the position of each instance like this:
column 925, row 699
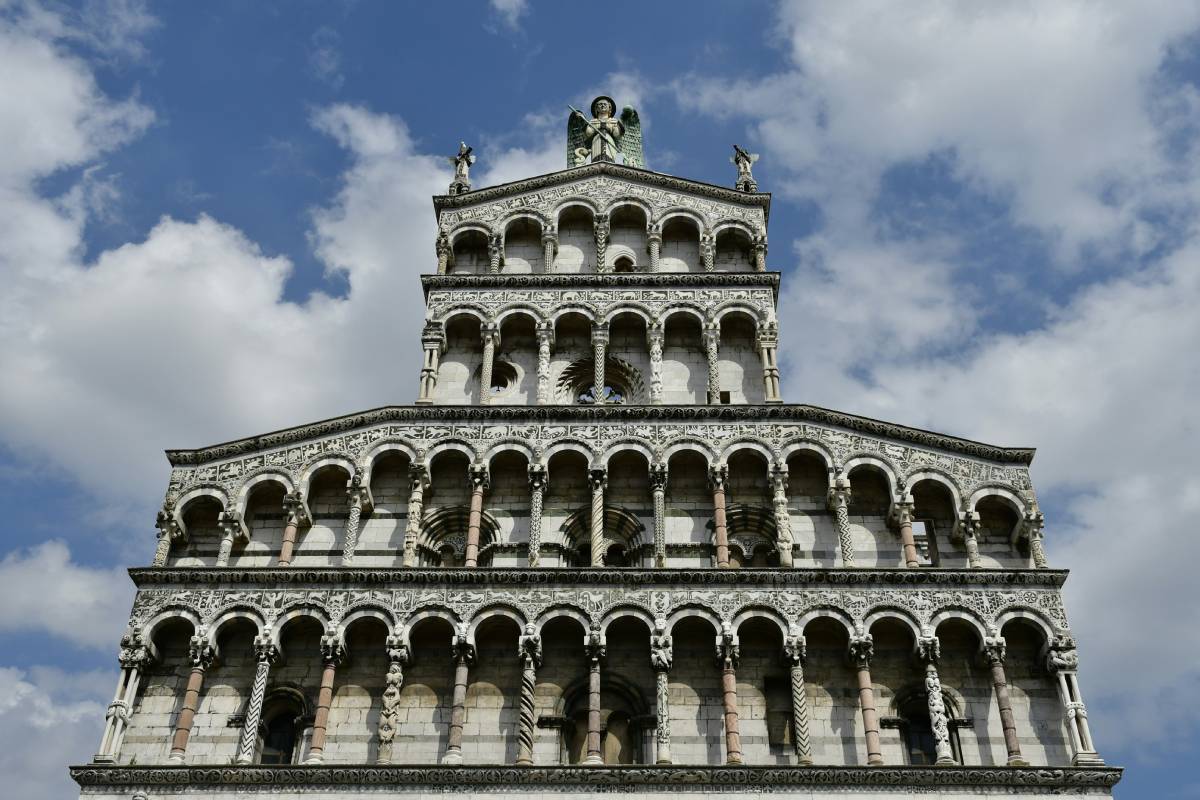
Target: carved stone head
column 603, row 107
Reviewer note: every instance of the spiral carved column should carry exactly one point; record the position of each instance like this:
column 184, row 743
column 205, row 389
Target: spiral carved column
column 537, row 490
column 597, row 479
column 658, row 487
column 530, row 652
column 389, row 712
column 794, row 654
column 839, row 501
column 265, row 654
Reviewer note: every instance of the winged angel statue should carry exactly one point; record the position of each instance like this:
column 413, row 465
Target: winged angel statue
column 604, row 137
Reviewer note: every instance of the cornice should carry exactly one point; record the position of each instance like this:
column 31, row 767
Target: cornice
column 668, row 280
column 530, row 414
column 632, row 778
column 644, row 176
column 549, row 577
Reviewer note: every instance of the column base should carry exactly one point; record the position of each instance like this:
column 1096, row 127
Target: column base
column 425, row 402
column 1087, row 759
column 452, row 757
column 804, row 761
column 663, row 761
column 595, row 761
column 317, row 759
column 175, row 758
column 775, row 402
column 945, row 762
column 1017, row 761
column 875, row 762
column 103, row 758
column 244, row 760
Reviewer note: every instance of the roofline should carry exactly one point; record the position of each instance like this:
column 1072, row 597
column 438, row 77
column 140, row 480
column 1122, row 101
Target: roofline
column 570, row 174
column 554, row 413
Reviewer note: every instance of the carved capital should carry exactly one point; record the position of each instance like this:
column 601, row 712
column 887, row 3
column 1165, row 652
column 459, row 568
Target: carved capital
column 717, row 476
column 599, row 334
column 293, row 509
column 397, row 651
column 462, row 650
column 538, row 476
column 597, row 479
column 995, row 648
column 728, row 649
column 201, row 653
column 658, row 475
column 233, row 526
column 489, row 333
column 332, row 650
column 134, row 654
column 594, row 645
column 479, row 477
column 358, row 493
column 903, row 511
column 265, row 650
column 418, row 477
column 779, row 480
column 433, row 337
column 795, row 649
column 662, row 655
column 1062, row 655
column 529, row 647
column 861, row 649
column 929, row 649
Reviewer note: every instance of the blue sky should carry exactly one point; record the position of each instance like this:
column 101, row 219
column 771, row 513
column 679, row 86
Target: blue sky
column 214, row 215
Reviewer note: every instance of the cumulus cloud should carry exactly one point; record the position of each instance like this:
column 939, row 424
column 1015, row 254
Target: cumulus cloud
column 510, row 11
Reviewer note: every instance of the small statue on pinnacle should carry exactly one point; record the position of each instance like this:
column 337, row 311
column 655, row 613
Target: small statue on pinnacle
column 744, row 161
column 462, row 169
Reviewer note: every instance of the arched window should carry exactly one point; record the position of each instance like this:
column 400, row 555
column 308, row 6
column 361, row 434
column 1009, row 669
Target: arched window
column 284, row 728
column 623, row 264
column 917, row 731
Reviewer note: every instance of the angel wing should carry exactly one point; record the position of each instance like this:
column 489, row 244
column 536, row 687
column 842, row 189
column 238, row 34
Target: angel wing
column 631, row 141
column 576, row 139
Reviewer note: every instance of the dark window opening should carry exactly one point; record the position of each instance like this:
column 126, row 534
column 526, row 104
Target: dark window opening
column 623, row 264
column 279, row 743
column 926, row 541
column 726, row 399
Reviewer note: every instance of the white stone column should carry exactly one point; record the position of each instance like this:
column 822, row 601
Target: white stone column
column 597, row 478
column 784, row 543
column 464, row 656
column 902, row 513
column 444, row 251
column 549, row 249
column 265, row 654
column 495, row 253
column 537, row 490
column 654, row 340
column 169, row 532
column 433, row 341
column 529, row 650
column 760, row 253
column 545, row 340
column 418, row 480
column 1034, row 529
column 389, row 711
column 968, row 526
column 599, row 357
column 712, row 351
column 654, row 246
column 794, row 653
column 929, row 649
column 359, row 496
column 1062, row 661
column 839, row 502
column 658, row 488
column 661, row 659
column 601, row 231
column 232, row 529
column 708, row 251
column 490, row 334
column 767, row 341
column 595, row 650
column 133, row 658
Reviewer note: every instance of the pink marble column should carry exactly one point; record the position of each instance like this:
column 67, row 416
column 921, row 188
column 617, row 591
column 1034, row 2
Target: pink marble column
column 202, row 657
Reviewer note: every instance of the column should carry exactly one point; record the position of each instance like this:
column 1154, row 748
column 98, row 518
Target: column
column 529, row 650
column 783, row 515
column 654, row 339
column 968, row 525
column 478, row 476
column 839, row 501
column 1034, row 529
column 463, row 656
column 293, row 516
column 549, row 249
column 232, row 530
column 861, row 649
column 661, row 659
column 133, row 657
column 1063, row 662
column 389, row 712
column 597, row 478
column 537, row 491
column 654, row 245
column 169, row 532
column 712, row 349
column 794, row 653
column 768, row 341
column 265, row 654
column 727, row 658
column 495, row 253
column 903, row 514
column 708, row 250
column 594, row 648
column 202, row 656
column 994, row 652
column 442, row 246
column 545, row 340
column 418, row 479
column 658, row 488
column 433, row 341
column 760, row 253
column 358, row 496
column 332, row 654
column 599, row 355
column 929, row 649
column 601, row 234
column 716, row 481
column 491, row 337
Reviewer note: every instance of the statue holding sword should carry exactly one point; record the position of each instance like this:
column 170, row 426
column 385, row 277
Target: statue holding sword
column 604, row 137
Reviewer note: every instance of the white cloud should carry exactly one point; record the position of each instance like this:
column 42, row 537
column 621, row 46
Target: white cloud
column 510, row 11
column 325, row 57
column 44, row 590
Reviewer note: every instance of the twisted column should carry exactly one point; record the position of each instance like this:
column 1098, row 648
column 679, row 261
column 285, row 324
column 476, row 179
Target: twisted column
column 654, row 245
column 495, row 253
column 969, row 525
column 1034, row 529
column 654, row 338
column 169, row 532
column 464, row 656
column 594, row 647
column 708, row 248
column 443, row 249
column 529, row 650
column 133, row 657
column 760, row 253
column 904, row 521
column 727, row 658
column 601, row 231
column 478, row 476
column 389, row 713
column 712, row 349
column 537, row 490
column 418, row 479
column 794, row 653
column 1062, row 661
column 358, row 495
column 599, row 356
column 202, row 655
column 861, row 649
column 545, row 340
column 661, row 659
column 433, row 341
column 658, row 487
column 265, row 654
column 491, row 336
column 549, row 248
column 597, row 478
column 783, row 515
column 839, row 501
column 293, row 516
column 716, row 481
column 994, row 651
column 332, row 654
column 929, row 650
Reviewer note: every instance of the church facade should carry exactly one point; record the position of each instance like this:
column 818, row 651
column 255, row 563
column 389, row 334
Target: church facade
column 599, row 552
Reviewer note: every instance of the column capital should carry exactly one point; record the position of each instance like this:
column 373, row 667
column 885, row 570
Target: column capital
column 795, row 649
column 594, row 645
column 712, row 334
column 767, row 337
column 478, row 476
column 1062, row 655
column 418, row 475
column 995, row 648
column 461, row 649
column 441, row 244
column 133, row 654
column 550, row 235
column 662, row 654
column 489, row 332
column 968, row 523
column 201, row 653
column 655, row 332
column 597, row 478
column 358, row 493
column 600, row 224
column 861, row 649
column 397, row 651
column 332, row 650
column 658, row 475
column 728, row 647
column 529, row 646
column 232, row 524
column 902, row 512
column 779, row 475
column 599, row 333
column 929, row 649
column 538, row 476
column 1034, row 525
column 295, row 512
column 167, row 524
column 265, row 650
column 839, row 494
column 718, row 474
column 433, row 335
column 545, row 332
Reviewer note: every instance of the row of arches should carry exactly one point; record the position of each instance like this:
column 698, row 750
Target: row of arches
column 439, row 687
column 579, row 238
